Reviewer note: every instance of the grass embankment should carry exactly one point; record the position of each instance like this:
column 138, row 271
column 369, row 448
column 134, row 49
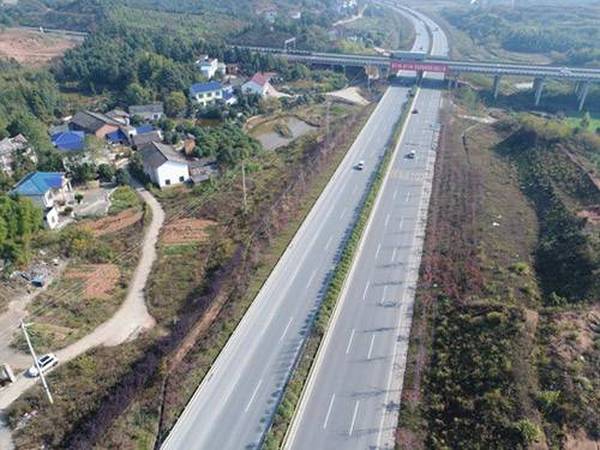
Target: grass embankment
column 293, row 390
column 506, row 333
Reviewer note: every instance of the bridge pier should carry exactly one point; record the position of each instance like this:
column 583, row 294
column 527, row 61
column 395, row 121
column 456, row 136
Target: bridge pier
column 419, row 76
column 452, row 81
column 585, row 89
column 538, row 86
column 496, row 87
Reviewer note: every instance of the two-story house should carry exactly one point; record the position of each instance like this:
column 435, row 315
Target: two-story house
column 51, row 191
column 205, row 94
column 209, row 67
column 151, row 111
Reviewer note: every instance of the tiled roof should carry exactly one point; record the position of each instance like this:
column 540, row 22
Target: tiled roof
column 91, row 121
column 38, row 183
column 69, row 140
column 145, row 138
column 152, row 108
column 199, row 88
column 156, row 154
column 146, row 128
column 262, row 78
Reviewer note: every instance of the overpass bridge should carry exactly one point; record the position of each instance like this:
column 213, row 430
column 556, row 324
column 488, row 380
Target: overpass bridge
column 415, row 61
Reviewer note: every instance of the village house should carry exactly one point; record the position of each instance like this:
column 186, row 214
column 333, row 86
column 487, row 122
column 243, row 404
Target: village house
column 126, row 135
column 119, row 115
column 93, row 123
column 228, row 95
column 205, row 94
column 68, row 141
column 163, row 165
column 203, row 169
column 14, row 147
column 144, row 136
column 209, row 67
column 51, row 191
column 152, row 111
column 260, row 84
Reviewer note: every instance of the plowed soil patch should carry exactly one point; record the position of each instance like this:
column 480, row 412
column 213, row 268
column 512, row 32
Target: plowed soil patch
column 186, row 231
column 31, row 47
column 99, row 279
column 111, row 224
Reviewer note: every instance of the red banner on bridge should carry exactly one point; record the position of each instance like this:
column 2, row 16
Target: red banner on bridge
column 425, row 67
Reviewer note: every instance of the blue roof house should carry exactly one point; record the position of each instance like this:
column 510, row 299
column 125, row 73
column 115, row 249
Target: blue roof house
column 51, row 191
column 117, row 137
column 205, row 94
column 69, row 141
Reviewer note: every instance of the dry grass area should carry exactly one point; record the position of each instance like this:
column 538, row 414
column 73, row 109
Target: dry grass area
column 32, row 47
column 99, row 280
column 475, row 268
column 186, row 231
column 111, row 224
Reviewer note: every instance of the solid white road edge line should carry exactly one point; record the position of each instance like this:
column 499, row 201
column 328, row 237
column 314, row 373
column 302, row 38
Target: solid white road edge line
column 304, row 396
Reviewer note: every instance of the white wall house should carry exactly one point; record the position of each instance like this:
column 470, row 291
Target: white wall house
column 205, row 94
column 209, row 67
column 51, row 191
column 164, row 165
column 259, row 84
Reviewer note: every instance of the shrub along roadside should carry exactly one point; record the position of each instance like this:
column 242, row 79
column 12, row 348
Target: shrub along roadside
column 293, row 389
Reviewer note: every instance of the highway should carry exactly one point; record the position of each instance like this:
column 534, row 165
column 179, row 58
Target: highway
column 234, row 405
column 352, row 396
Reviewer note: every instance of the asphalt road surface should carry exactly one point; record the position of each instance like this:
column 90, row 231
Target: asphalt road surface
column 235, row 403
column 352, row 397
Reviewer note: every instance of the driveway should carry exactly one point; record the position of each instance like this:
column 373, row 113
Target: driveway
column 130, row 319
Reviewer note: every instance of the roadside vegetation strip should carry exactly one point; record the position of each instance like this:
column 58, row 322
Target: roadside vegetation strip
column 292, row 393
column 211, row 344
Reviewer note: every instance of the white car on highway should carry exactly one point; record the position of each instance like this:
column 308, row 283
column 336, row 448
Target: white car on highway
column 411, row 154
column 46, row 362
column 360, row 165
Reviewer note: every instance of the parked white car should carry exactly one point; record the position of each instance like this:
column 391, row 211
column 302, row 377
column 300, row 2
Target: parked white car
column 46, row 362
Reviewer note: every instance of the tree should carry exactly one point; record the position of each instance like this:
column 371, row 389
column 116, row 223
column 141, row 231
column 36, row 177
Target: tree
column 175, row 104
column 586, row 121
column 20, row 219
column 94, row 146
column 83, row 172
column 135, row 94
column 106, row 172
column 122, row 177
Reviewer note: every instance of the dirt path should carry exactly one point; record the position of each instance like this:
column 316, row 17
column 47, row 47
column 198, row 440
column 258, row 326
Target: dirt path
column 350, row 94
column 350, row 19
column 10, row 319
column 130, row 319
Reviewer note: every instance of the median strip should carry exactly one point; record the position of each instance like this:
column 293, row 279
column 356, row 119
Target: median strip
column 291, row 396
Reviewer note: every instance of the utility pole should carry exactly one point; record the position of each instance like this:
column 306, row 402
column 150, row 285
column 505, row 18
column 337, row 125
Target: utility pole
column 244, row 186
column 327, row 126
column 37, row 364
